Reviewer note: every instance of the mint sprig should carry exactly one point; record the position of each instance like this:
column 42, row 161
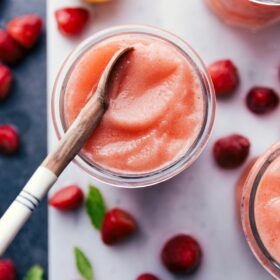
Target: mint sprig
column 36, row 272
column 95, row 206
column 83, row 264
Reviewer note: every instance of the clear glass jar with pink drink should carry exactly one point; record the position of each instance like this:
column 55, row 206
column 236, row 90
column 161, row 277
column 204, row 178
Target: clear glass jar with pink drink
column 161, row 105
column 260, row 210
column 252, row 14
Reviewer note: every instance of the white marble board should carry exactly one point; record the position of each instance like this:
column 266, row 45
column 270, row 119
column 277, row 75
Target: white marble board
column 199, row 201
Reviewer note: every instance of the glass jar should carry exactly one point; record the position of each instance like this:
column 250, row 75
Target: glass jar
column 252, row 14
column 156, row 176
column 257, row 198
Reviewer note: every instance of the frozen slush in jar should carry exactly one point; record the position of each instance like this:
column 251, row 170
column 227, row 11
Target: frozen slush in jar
column 260, row 210
column 252, row 14
column 161, row 105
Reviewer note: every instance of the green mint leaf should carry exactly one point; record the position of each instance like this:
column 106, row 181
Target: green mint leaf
column 95, row 206
column 83, row 264
column 36, row 272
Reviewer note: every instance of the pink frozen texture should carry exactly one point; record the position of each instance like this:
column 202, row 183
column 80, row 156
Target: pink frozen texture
column 267, row 209
column 156, row 106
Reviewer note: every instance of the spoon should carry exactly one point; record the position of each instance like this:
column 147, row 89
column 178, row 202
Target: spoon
column 53, row 165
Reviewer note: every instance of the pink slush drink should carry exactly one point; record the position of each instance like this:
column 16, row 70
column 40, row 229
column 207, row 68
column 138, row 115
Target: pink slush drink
column 260, row 209
column 246, row 13
column 156, row 106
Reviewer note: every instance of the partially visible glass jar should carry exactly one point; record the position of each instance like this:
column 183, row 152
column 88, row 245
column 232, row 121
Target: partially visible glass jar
column 260, row 209
column 123, row 179
column 252, row 14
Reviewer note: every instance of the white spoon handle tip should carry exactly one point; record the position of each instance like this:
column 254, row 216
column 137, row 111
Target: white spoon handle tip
column 23, row 206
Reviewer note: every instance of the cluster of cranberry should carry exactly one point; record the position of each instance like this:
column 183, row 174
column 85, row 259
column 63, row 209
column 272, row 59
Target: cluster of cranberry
column 16, row 41
column 20, row 36
column 232, row 151
column 180, row 255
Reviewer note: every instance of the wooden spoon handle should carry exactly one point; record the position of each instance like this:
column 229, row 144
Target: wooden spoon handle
column 46, row 175
column 75, row 137
column 84, row 124
column 24, row 204
column 68, row 147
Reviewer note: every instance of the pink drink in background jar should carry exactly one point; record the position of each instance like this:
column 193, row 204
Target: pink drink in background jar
column 260, row 210
column 252, row 14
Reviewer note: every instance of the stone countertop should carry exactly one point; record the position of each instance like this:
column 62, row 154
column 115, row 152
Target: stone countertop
column 199, row 201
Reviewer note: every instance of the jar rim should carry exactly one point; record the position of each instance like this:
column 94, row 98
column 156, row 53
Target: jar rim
column 168, row 171
column 267, row 2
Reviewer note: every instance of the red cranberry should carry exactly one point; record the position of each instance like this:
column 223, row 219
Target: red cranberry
column 71, row 21
column 147, row 276
column 7, row 270
column 181, row 254
column 25, row 29
column 231, row 151
column 9, row 139
column 10, row 51
column 117, row 226
column 261, row 100
column 68, row 198
column 5, row 81
column 225, row 76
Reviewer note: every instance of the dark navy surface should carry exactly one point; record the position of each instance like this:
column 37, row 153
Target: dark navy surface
column 26, row 109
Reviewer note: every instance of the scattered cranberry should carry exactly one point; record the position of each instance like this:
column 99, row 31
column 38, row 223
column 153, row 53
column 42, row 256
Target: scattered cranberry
column 231, row 151
column 147, row 276
column 9, row 139
column 10, row 51
column 71, row 21
column 117, row 225
column 225, row 77
column 25, row 29
column 5, row 81
column 261, row 100
column 7, row 270
column 68, row 198
column 181, row 254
